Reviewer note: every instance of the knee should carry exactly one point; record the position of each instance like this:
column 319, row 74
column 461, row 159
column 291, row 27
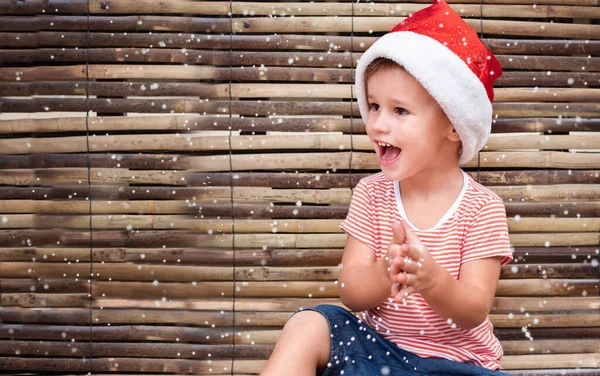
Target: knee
column 310, row 331
column 309, row 323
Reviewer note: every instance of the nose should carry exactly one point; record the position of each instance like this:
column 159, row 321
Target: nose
column 379, row 122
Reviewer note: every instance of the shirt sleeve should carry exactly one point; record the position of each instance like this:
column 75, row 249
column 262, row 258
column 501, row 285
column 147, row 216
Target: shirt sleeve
column 360, row 219
column 488, row 235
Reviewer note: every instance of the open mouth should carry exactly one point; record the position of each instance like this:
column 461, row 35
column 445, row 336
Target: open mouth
column 388, row 153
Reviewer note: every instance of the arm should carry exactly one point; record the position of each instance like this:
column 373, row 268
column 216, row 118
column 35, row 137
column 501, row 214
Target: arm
column 468, row 300
column 364, row 281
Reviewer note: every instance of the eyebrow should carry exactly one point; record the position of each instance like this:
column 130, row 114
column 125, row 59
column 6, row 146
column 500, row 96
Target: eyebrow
column 396, row 101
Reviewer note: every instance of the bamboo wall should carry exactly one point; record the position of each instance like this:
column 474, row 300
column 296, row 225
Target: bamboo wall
column 173, row 174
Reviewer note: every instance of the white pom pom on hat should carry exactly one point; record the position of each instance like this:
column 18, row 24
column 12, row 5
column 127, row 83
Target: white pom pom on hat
column 437, row 47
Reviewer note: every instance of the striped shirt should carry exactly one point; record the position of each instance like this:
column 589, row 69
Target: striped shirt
column 473, row 228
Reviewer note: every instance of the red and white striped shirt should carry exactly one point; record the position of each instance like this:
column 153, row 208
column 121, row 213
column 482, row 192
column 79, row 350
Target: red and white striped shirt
column 473, row 228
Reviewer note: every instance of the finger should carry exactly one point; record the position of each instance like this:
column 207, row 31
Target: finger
column 413, row 253
column 411, row 237
column 395, row 267
column 398, row 235
column 393, row 251
column 400, row 278
column 396, row 287
column 410, row 251
column 407, row 265
column 405, row 278
column 404, row 293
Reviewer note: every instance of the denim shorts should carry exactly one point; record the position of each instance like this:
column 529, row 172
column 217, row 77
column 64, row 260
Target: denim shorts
column 357, row 350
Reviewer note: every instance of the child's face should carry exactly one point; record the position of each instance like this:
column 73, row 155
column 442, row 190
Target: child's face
column 403, row 114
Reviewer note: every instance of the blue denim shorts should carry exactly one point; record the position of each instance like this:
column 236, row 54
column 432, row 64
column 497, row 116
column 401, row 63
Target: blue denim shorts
column 357, row 350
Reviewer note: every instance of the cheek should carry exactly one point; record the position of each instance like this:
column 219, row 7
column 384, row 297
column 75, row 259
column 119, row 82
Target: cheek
column 369, row 129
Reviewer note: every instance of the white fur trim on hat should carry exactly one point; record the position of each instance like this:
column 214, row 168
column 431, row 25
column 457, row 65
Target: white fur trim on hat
column 444, row 75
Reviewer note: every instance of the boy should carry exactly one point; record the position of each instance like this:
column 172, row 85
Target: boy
column 425, row 286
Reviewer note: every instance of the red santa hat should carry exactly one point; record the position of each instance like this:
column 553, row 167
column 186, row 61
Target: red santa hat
column 449, row 60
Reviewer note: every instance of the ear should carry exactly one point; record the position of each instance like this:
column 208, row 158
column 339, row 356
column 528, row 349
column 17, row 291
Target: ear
column 453, row 135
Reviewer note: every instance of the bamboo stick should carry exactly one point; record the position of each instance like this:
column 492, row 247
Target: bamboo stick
column 194, row 165
column 186, row 222
column 390, row 9
column 171, row 210
column 287, row 25
column 65, row 286
column 314, row 180
column 74, row 193
column 203, row 142
column 51, row 364
column 551, row 346
column 287, row 289
column 225, row 335
column 181, row 238
column 251, row 257
column 547, row 333
column 172, row 273
column 222, row 8
column 546, row 94
column 549, row 271
column 181, row 6
column 99, row 207
column 256, row 108
column 384, row 24
column 257, row 60
column 188, row 238
column 501, row 304
column 243, row 319
column 256, row 351
column 556, row 254
column 556, row 79
column 302, row 91
column 139, row 350
column 551, row 361
column 253, row 367
column 154, row 72
column 554, row 372
column 32, row 300
column 148, row 333
column 549, row 62
column 357, row 43
column 288, row 124
column 183, row 273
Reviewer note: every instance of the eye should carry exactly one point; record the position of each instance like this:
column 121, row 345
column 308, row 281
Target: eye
column 372, row 106
column 402, row 111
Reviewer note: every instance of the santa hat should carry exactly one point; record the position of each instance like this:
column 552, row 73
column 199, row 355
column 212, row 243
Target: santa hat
column 449, row 60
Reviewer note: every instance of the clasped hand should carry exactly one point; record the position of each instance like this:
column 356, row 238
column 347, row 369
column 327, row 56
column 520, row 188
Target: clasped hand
column 410, row 265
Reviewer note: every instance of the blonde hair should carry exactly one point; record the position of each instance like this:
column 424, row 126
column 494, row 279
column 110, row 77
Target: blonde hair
column 377, row 65
column 383, row 63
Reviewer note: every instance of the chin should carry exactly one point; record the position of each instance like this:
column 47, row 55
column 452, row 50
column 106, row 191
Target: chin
column 392, row 174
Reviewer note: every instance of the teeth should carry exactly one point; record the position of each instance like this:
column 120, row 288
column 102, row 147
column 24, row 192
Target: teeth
column 383, row 144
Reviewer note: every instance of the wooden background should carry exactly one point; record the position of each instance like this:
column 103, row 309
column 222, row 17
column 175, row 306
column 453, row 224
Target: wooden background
column 173, row 174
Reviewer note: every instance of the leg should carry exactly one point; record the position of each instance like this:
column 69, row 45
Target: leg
column 441, row 367
column 303, row 347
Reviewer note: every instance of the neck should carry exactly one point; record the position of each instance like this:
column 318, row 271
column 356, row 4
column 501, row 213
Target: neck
column 432, row 183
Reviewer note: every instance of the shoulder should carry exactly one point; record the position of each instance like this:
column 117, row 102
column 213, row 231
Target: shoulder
column 375, row 179
column 375, row 183
column 479, row 196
